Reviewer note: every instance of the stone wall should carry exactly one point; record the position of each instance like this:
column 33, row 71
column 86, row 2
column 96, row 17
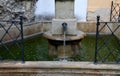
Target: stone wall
column 10, row 9
column 88, row 27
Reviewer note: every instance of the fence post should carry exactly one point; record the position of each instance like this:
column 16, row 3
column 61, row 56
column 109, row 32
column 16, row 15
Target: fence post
column 96, row 41
column 22, row 37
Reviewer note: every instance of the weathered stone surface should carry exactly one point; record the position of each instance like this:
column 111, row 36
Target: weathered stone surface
column 64, row 9
column 57, row 27
column 57, row 68
column 64, row 52
column 11, row 9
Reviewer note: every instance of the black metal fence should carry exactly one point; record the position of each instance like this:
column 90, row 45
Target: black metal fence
column 11, row 38
column 115, row 12
column 107, row 48
column 11, row 29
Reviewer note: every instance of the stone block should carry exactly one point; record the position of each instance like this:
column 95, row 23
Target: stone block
column 58, row 29
column 64, row 9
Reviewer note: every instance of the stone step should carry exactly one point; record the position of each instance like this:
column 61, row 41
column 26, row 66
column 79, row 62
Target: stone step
column 57, row 68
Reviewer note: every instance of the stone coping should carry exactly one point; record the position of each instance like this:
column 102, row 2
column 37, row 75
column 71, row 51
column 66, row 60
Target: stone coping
column 58, row 65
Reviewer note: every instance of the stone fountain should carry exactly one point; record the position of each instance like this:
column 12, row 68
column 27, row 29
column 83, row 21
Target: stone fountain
column 64, row 38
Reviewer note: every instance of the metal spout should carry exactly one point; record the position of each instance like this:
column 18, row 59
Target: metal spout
column 64, row 26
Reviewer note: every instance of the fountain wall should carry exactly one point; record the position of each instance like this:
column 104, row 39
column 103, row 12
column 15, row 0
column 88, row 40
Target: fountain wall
column 89, row 26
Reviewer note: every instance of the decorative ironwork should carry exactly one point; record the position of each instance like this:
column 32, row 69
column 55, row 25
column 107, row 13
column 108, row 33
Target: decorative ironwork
column 110, row 42
column 115, row 12
column 11, row 38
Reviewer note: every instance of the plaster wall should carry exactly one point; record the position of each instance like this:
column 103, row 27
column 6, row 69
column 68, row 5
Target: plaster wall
column 99, row 7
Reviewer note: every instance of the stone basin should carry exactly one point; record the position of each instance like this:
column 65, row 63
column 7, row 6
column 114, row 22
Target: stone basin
column 56, row 47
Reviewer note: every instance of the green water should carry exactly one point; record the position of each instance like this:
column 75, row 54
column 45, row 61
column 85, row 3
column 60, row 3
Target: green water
column 36, row 49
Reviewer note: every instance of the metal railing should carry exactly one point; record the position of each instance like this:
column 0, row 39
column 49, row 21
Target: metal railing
column 107, row 48
column 11, row 30
column 11, row 38
column 115, row 12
